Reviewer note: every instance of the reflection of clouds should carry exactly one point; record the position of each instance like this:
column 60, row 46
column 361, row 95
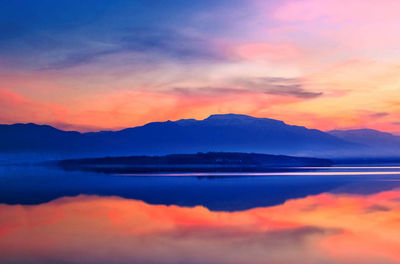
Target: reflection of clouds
column 324, row 228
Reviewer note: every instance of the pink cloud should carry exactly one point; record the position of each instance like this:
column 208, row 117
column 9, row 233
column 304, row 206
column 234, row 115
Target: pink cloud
column 268, row 51
column 366, row 26
column 351, row 10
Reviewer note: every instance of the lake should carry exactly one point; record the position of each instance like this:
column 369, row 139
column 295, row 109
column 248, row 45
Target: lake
column 313, row 215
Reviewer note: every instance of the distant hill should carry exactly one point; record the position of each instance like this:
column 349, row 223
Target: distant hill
column 200, row 162
column 379, row 143
column 218, row 133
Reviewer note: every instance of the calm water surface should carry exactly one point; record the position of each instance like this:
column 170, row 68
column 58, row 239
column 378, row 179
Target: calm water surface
column 329, row 215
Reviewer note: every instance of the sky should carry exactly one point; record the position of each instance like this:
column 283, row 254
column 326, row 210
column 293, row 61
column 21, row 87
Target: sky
column 109, row 64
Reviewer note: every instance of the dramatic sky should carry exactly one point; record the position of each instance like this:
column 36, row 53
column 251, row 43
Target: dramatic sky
column 108, row 64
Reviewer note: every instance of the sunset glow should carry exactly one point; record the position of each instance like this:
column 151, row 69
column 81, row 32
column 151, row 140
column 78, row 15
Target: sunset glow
column 107, row 64
column 199, row 131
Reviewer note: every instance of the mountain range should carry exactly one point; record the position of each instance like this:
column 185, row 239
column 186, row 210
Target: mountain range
column 378, row 142
column 219, row 133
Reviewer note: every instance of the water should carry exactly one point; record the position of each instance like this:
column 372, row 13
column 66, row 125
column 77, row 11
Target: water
column 325, row 215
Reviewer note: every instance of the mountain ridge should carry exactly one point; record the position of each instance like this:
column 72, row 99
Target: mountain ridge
column 375, row 139
column 219, row 133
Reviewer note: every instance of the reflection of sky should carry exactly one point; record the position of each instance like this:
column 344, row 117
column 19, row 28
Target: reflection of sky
column 324, row 228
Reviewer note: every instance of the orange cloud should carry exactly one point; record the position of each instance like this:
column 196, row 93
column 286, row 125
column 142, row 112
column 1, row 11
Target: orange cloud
column 17, row 108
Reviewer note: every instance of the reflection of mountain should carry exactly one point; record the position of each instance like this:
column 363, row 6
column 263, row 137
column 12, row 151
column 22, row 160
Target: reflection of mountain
column 220, row 133
column 35, row 185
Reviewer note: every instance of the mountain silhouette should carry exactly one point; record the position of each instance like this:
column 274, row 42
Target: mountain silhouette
column 219, row 133
column 382, row 143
